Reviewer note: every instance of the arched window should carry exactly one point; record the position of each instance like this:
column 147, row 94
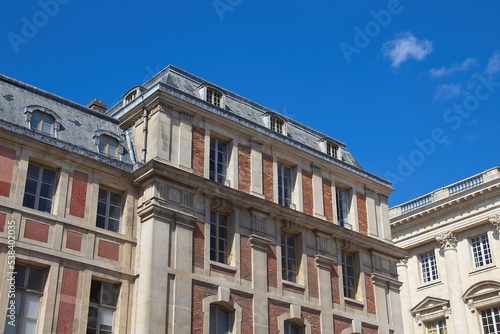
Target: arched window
column 220, row 320
column 108, row 146
column 42, row 122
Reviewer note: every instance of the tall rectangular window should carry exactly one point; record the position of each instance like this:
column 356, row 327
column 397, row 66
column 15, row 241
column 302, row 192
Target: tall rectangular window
column 109, row 209
column 219, row 237
column 40, row 188
column 219, row 158
column 102, row 307
column 437, row 327
column 481, row 251
column 289, row 257
column 349, row 275
column 490, row 319
column 342, row 207
column 29, row 283
column 428, row 267
column 284, row 185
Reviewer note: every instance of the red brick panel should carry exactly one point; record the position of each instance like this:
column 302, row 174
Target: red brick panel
column 272, row 266
column 339, row 324
column 328, row 200
column 313, row 316
column 362, row 217
column 78, row 194
column 307, row 192
column 244, row 169
column 108, row 250
column 198, row 151
column 3, row 220
column 334, row 275
column 36, row 231
column 275, row 310
column 246, row 258
column 74, row 240
column 312, row 277
column 200, row 292
column 7, row 158
column 267, row 168
column 69, row 289
column 370, row 295
column 199, row 245
column 246, row 304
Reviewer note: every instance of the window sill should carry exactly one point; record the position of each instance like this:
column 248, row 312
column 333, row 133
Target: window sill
column 293, row 287
column 354, row 302
column 483, row 269
column 223, row 267
column 429, row 285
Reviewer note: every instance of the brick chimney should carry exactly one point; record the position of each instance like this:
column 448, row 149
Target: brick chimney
column 97, row 106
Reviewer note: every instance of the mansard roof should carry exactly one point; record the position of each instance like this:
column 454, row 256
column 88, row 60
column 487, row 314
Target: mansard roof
column 237, row 105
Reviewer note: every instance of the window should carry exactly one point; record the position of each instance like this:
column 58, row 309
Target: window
column 102, row 306
column 40, row 187
column 220, row 320
column 108, row 146
column 349, row 275
column 291, row 328
column 42, row 122
column 218, row 160
column 284, row 185
column 437, row 327
column 214, row 97
column 332, row 149
column 29, row 282
column 130, row 97
column 277, row 125
column 289, row 257
column 428, row 267
column 219, row 237
column 342, row 207
column 481, row 251
column 109, row 209
column 490, row 319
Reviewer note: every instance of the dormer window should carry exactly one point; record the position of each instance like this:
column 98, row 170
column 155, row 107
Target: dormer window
column 130, row 97
column 332, row 149
column 214, row 97
column 108, row 144
column 43, row 120
column 277, row 125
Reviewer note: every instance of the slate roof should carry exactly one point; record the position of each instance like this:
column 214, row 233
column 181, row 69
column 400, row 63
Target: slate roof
column 78, row 123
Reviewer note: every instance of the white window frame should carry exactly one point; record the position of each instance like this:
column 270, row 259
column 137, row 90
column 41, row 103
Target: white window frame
column 348, row 290
column 343, row 206
column 287, row 273
column 103, row 305
column 108, row 206
column 481, row 252
column 39, row 184
column 428, row 267
column 285, row 185
column 437, row 327
column 28, row 112
column 215, row 226
column 218, row 172
column 493, row 314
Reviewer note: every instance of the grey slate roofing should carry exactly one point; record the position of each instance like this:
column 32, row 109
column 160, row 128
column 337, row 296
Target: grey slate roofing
column 78, row 127
column 238, row 105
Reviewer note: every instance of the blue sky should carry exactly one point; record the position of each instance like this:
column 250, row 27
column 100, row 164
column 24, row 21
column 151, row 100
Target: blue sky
column 412, row 87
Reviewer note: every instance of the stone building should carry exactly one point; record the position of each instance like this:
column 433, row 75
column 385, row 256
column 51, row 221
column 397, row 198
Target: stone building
column 451, row 278
column 186, row 208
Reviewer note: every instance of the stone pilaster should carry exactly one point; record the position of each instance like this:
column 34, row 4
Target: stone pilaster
column 405, row 295
column 259, row 246
column 324, row 265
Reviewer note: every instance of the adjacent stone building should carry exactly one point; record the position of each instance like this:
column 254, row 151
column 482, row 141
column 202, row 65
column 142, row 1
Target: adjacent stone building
column 451, row 277
column 186, row 208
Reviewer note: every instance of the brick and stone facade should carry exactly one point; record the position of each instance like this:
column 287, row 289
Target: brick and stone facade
column 209, row 198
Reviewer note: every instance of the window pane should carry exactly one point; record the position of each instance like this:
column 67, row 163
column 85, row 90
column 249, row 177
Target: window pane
column 115, row 199
column 33, row 171
column 109, row 294
column 113, row 225
column 31, row 304
column 92, row 318
column 106, row 319
column 29, row 201
column 20, row 276
column 103, row 195
column 100, row 221
column 44, row 205
column 95, row 292
column 35, row 279
column 114, row 212
column 101, row 208
column 28, row 326
column 49, row 176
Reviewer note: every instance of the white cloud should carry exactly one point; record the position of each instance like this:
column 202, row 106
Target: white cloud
column 406, row 46
column 457, row 67
column 493, row 63
column 447, row 91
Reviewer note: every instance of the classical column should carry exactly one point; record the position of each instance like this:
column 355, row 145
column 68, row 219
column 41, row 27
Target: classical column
column 448, row 243
column 408, row 322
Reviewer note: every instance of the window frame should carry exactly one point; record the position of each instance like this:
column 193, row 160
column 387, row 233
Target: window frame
column 481, row 251
column 44, row 120
column 494, row 315
column 343, row 202
column 215, row 229
column 108, row 205
column 214, row 97
column 107, row 145
column 350, row 283
column 216, row 174
column 39, row 191
column 428, row 267
column 25, row 291
column 436, row 327
column 230, row 319
column 289, row 325
column 285, row 194
column 277, row 124
column 332, row 149
column 29, row 111
column 287, row 273
column 101, row 305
